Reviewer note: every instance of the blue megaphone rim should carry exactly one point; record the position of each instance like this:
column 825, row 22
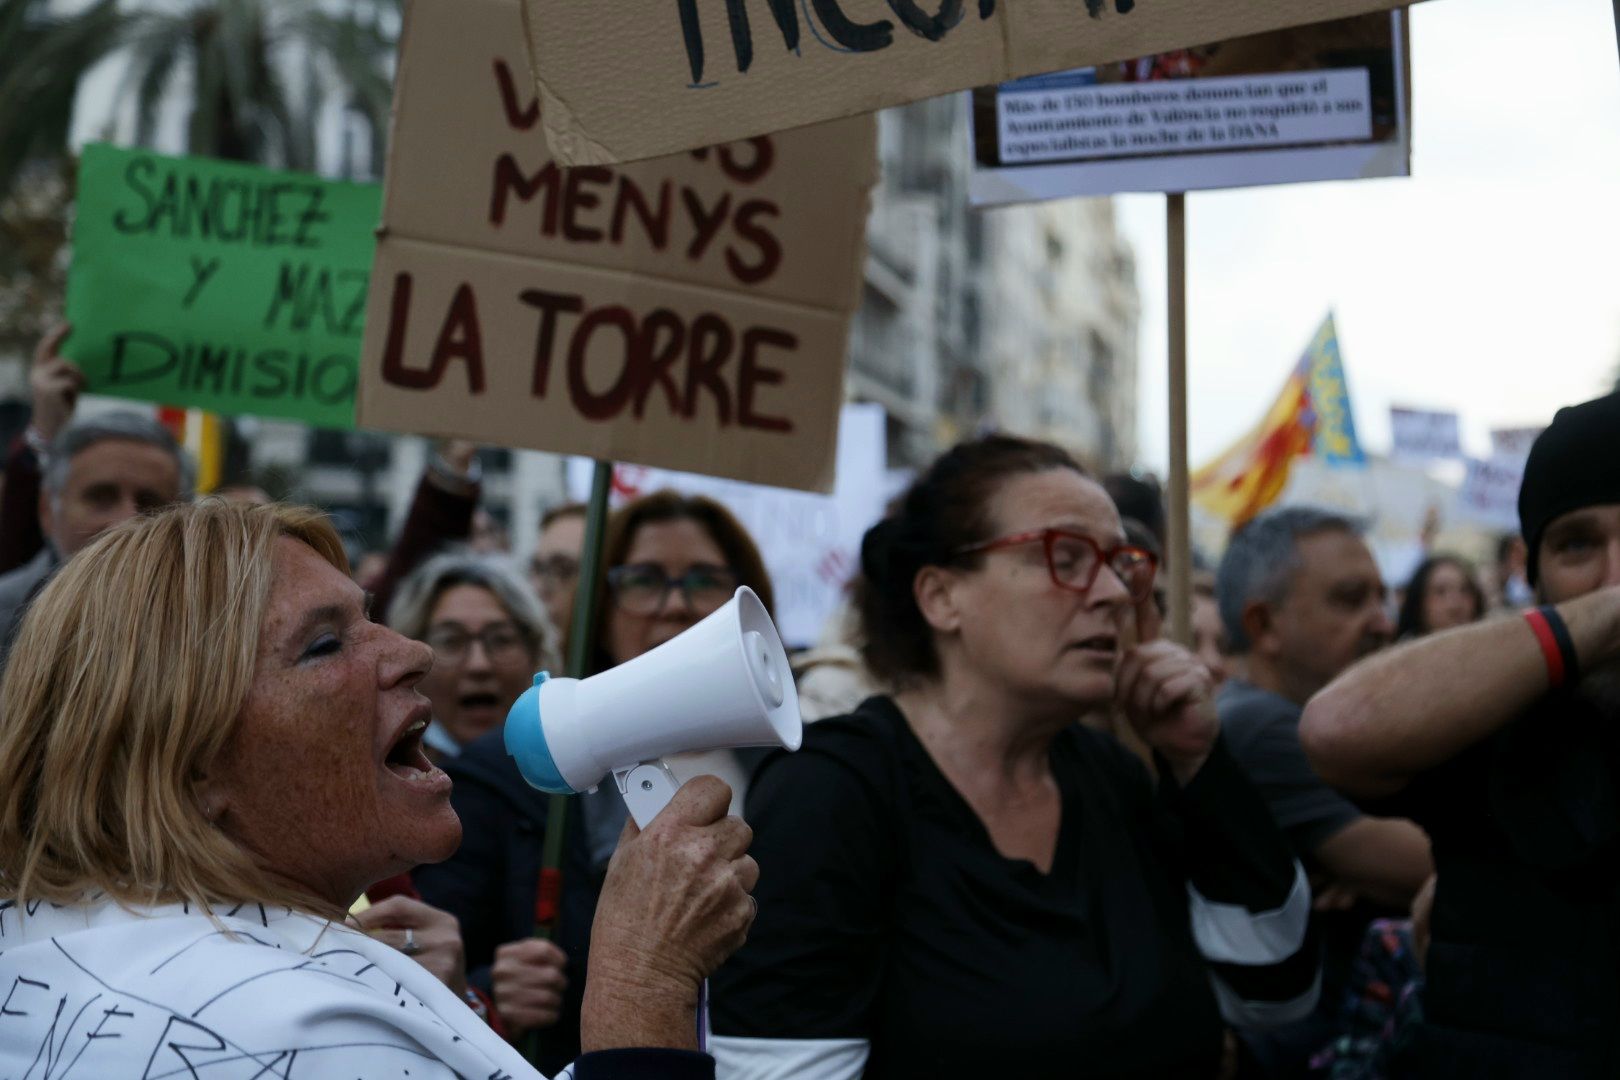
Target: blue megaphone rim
column 525, row 739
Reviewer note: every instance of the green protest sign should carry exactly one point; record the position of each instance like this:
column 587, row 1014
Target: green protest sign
column 220, row 286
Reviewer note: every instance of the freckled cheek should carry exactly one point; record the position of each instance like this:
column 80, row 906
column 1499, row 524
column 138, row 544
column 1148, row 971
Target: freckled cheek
column 328, row 736
column 326, row 797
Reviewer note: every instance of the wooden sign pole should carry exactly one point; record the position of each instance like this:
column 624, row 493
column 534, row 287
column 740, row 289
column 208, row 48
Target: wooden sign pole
column 1179, row 555
column 581, row 635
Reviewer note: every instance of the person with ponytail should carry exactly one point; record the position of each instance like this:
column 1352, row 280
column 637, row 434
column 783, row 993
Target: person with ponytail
column 957, row 879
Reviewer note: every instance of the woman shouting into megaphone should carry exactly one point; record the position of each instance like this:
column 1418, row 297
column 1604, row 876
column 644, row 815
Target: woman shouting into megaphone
column 210, row 750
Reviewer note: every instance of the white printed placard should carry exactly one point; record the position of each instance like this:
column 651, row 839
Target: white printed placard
column 1324, row 101
column 1238, row 113
column 1490, row 492
column 1514, row 442
column 1422, row 435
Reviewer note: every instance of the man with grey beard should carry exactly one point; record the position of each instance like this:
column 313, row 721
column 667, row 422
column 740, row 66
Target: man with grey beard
column 1502, row 739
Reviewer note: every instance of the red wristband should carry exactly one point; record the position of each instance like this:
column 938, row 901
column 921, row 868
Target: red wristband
column 1550, row 652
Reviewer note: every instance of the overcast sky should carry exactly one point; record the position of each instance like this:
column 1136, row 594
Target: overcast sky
column 1488, row 282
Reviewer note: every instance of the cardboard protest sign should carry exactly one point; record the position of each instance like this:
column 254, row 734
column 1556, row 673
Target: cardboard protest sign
column 221, row 286
column 1420, row 435
column 811, row 543
column 690, row 312
column 621, row 81
column 1325, row 101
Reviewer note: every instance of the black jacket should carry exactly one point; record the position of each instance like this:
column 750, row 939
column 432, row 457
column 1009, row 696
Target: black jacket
column 1523, row 971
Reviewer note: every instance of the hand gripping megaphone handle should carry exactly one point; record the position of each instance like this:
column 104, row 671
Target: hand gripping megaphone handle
column 723, row 683
column 647, row 789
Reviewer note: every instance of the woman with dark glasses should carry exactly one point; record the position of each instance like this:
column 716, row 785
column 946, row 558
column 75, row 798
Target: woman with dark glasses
column 669, row 560
column 957, row 880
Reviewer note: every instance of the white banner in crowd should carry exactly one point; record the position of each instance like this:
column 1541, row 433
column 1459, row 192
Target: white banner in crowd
column 1422, row 436
column 1490, row 492
column 811, row 543
column 1514, row 442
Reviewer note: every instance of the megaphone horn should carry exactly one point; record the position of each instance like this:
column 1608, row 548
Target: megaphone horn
column 723, row 683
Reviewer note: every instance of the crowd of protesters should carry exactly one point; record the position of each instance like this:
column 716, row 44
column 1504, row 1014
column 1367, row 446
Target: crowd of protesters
column 1351, row 831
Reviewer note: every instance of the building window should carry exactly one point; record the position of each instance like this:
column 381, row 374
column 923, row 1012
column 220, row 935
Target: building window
column 878, row 343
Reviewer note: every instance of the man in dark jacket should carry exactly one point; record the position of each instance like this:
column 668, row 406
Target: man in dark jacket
column 1502, row 739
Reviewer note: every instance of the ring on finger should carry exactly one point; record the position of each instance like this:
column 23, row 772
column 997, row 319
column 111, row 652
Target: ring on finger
column 410, row 948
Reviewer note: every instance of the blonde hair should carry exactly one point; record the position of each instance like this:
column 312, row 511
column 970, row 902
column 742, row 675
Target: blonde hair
column 126, row 681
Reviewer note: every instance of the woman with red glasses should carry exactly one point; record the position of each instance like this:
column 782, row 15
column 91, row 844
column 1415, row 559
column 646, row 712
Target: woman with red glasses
column 958, row 880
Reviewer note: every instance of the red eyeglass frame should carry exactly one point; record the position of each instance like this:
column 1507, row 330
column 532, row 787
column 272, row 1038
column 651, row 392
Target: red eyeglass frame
column 1049, row 537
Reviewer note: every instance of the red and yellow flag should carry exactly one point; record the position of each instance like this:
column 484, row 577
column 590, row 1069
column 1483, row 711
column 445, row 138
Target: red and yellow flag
column 1311, row 414
column 203, row 436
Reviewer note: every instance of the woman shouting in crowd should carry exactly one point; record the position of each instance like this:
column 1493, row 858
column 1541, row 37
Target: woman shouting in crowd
column 210, row 750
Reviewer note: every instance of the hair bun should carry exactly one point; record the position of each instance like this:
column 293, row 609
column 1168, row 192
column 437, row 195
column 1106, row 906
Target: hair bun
column 877, row 551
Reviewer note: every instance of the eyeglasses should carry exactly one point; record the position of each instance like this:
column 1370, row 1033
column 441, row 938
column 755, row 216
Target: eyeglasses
column 1074, row 560
column 503, row 643
column 644, row 588
column 555, row 568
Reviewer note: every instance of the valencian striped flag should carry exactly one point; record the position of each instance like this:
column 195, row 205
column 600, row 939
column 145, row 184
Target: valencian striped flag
column 1311, row 416
column 203, row 435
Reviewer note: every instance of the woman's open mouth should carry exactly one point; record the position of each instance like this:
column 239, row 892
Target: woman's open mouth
column 406, row 758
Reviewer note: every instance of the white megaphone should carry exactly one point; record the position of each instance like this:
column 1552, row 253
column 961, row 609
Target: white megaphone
column 722, row 684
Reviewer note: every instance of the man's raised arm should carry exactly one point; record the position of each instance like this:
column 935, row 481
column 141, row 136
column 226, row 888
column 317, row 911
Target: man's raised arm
column 1401, row 712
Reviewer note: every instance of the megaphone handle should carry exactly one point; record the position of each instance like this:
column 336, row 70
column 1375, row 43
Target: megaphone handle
column 647, row 789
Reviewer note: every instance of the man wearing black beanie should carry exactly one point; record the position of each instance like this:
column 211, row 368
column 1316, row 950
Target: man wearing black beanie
column 1502, row 739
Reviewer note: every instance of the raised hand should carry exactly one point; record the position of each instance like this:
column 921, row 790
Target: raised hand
column 1168, row 695
column 435, row 936
column 54, row 382
column 529, row 983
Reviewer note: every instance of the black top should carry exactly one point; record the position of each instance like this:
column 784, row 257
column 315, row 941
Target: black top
column 1262, row 732
column 644, row 1064
column 1523, row 971
column 886, row 914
